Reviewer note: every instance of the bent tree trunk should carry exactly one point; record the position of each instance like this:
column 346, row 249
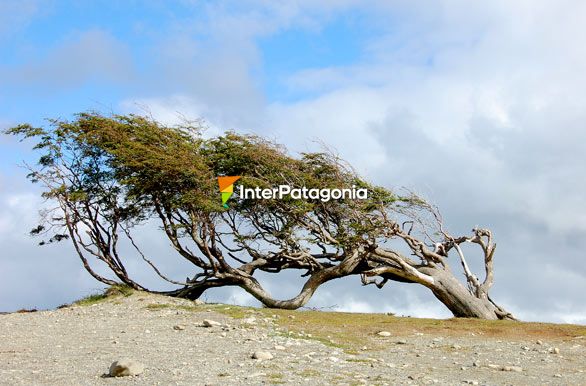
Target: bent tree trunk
column 462, row 302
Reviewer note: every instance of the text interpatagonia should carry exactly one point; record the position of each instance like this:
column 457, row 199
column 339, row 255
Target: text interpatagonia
column 303, row 193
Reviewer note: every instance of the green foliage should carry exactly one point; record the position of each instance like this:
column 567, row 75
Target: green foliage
column 129, row 168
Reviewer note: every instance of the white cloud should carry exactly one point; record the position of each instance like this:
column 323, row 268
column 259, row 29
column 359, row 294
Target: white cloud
column 86, row 56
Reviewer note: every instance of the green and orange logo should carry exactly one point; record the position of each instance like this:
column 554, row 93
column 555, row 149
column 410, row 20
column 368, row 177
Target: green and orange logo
column 226, row 184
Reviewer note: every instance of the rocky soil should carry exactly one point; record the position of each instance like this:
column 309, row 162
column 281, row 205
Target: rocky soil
column 181, row 343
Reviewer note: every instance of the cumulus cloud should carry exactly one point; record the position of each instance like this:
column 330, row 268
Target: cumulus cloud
column 93, row 55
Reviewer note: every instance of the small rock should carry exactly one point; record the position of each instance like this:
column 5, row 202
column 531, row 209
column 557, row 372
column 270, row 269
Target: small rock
column 179, row 327
column 475, row 364
column 279, row 347
column 516, row 369
column 125, row 368
column 383, row 333
column 463, row 368
column 210, row 323
column 539, row 342
column 262, row 355
column 557, row 375
column 401, row 342
column 199, row 302
column 456, row 346
column 554, row 350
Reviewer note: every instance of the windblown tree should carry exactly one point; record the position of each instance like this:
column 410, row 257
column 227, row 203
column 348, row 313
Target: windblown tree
column 108, row 175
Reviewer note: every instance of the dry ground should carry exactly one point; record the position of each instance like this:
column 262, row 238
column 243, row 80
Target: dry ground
column 75, row 346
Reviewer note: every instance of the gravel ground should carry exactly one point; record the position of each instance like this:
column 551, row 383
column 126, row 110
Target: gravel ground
column 77, row 344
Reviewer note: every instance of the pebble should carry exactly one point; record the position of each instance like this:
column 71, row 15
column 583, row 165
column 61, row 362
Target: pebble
column 262, row 355
column 125, row 368
column 516, row 369
column 179, row 327
column 383, row 333
column 210, row 323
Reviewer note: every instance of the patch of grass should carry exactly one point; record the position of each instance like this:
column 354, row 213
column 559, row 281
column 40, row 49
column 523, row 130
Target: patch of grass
column 110, row 292
column 119, row 290
column 350, row 331
column 157, row 306
column 235, row 312
column 276, row 378
column 307, row 373
column 91, row 299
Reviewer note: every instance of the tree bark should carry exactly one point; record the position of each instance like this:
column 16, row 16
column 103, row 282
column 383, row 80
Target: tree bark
column 460, row 301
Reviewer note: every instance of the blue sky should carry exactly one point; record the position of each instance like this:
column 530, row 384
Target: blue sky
column 140, row 29
column 480, row 107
